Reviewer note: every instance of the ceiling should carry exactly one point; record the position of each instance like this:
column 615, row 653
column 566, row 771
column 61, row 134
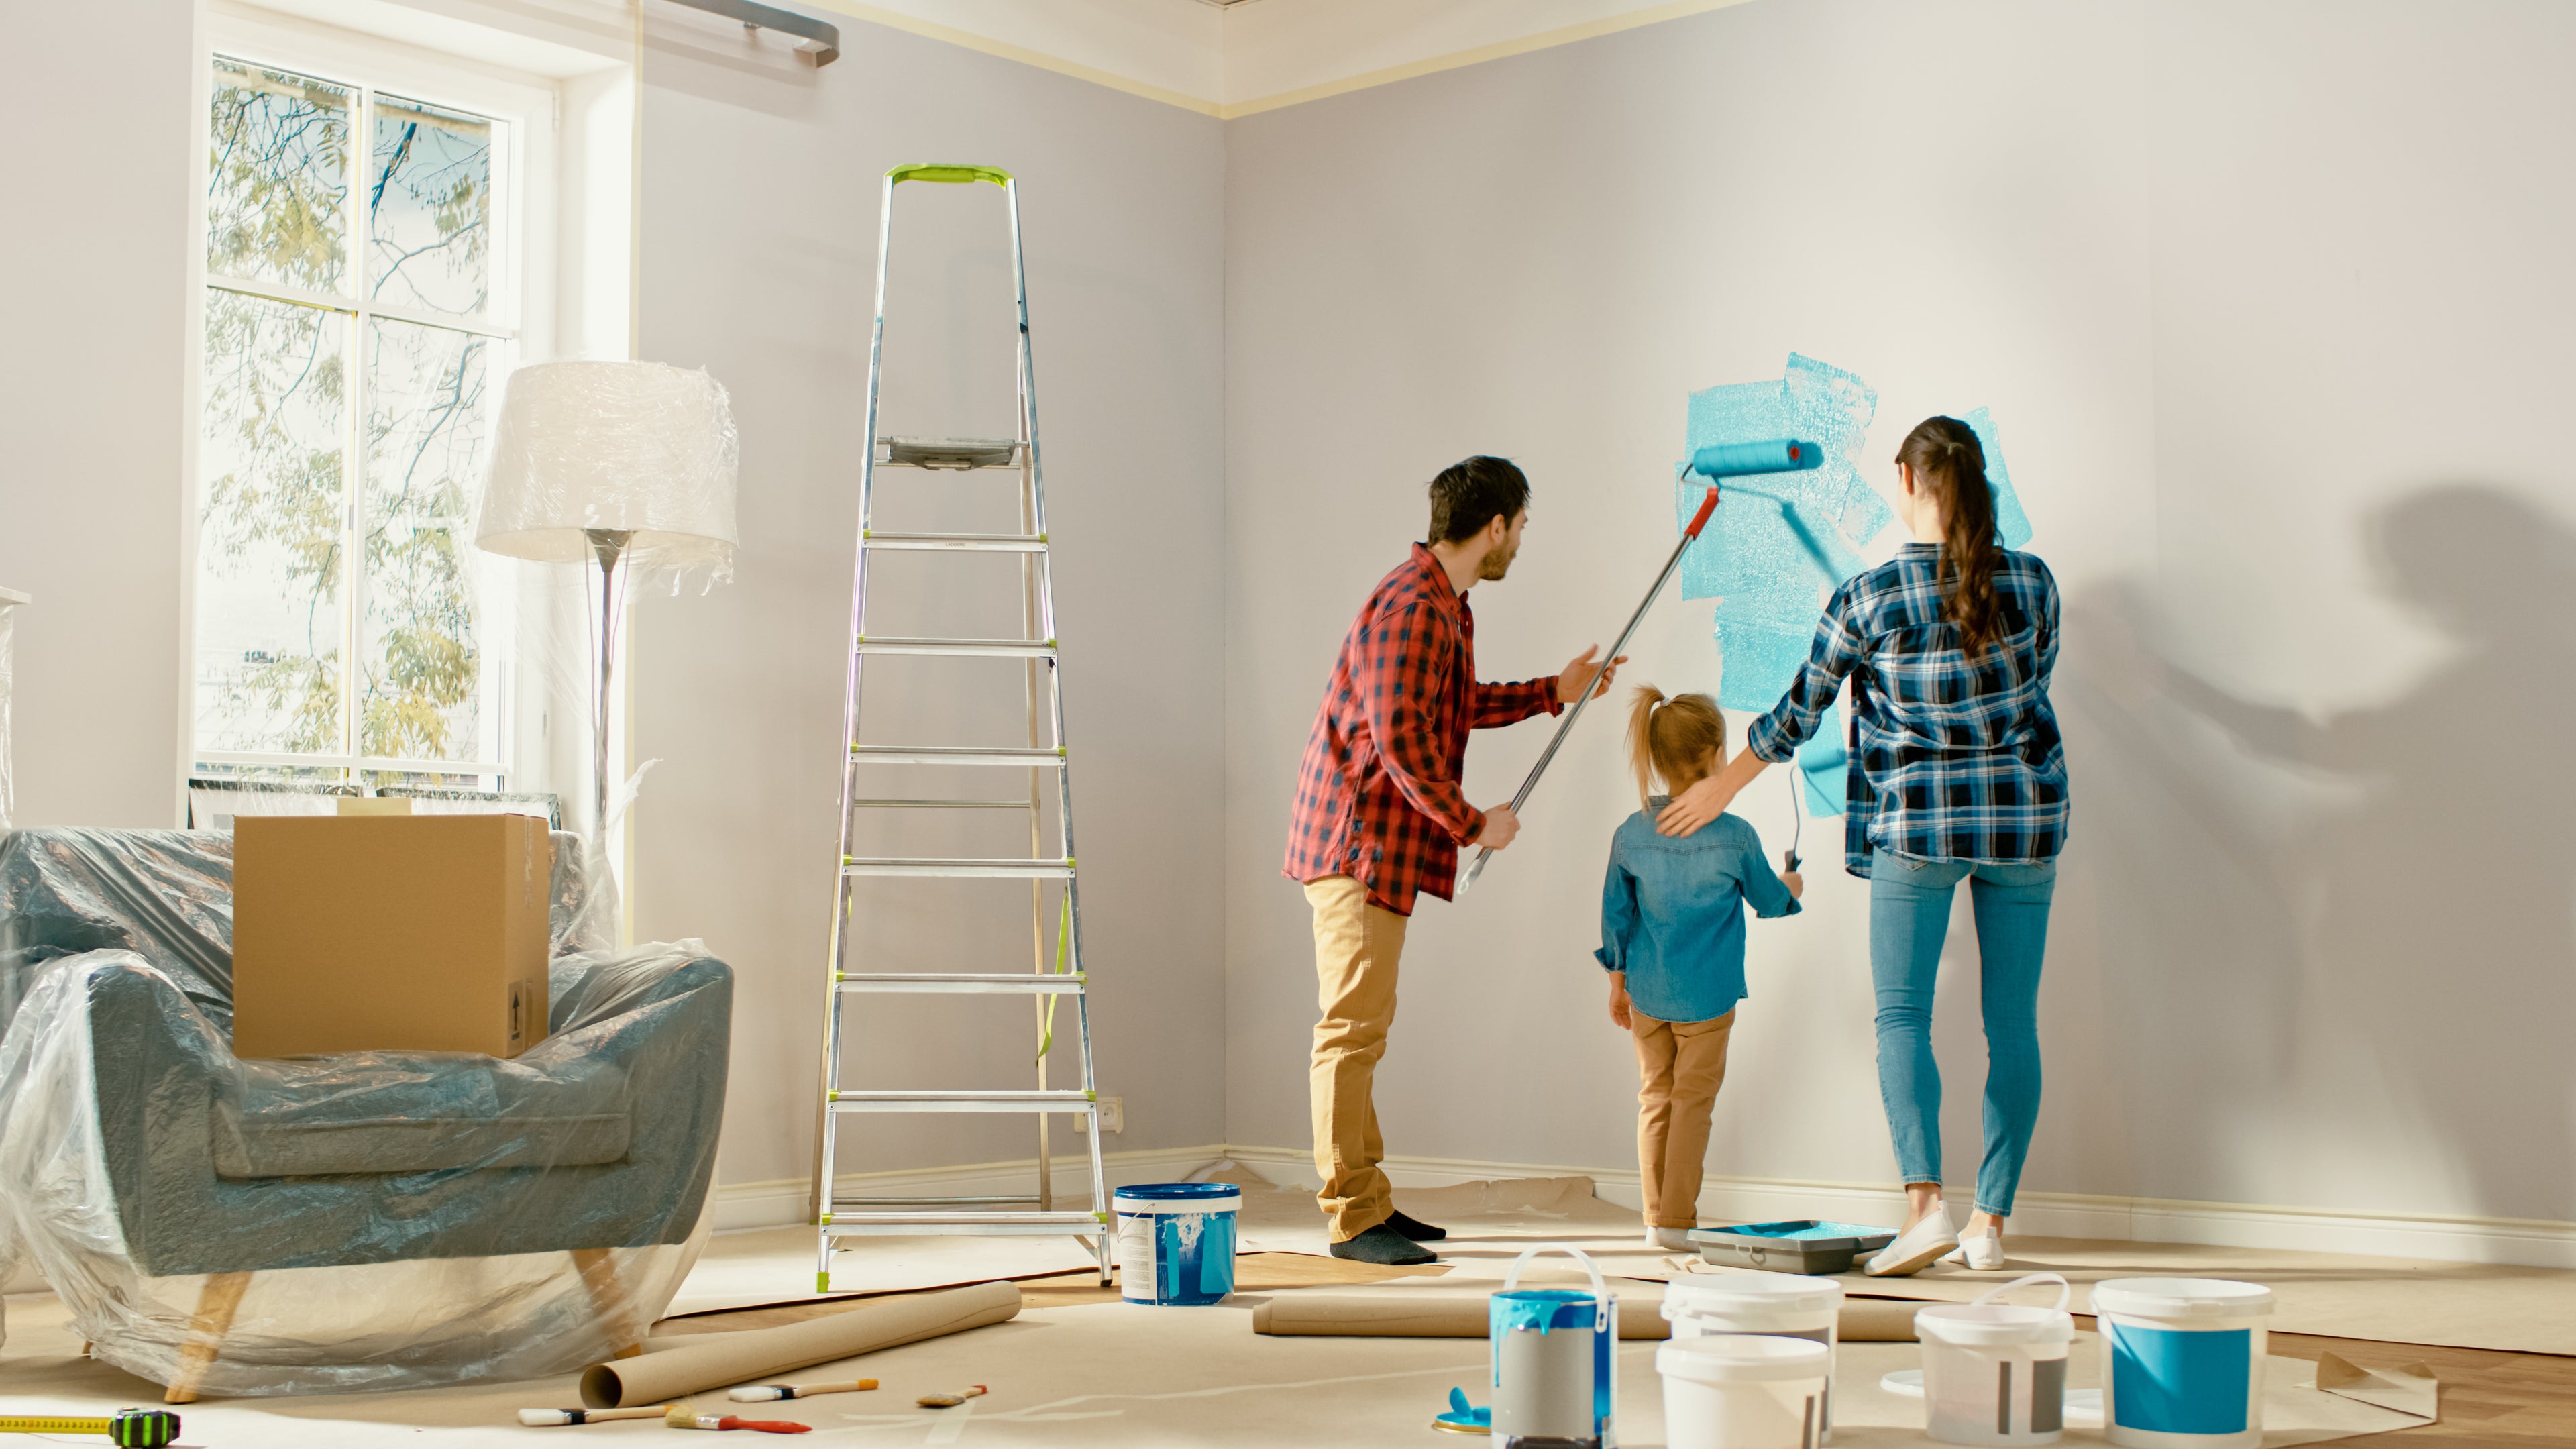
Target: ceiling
column 1254, row 55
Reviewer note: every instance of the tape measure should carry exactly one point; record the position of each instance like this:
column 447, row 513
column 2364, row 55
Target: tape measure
column 143, row 1428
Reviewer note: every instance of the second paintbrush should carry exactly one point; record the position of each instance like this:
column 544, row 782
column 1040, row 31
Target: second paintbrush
column 759, row 1393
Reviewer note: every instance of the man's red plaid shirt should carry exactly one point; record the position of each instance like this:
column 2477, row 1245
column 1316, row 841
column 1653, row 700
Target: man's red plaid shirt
column 1378, row 797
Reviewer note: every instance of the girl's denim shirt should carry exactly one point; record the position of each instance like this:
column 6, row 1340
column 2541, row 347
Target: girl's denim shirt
column 1672, row 912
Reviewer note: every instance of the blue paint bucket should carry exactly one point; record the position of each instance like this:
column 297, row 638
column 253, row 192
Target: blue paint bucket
column 1176, row 1242
column 2182, row 1361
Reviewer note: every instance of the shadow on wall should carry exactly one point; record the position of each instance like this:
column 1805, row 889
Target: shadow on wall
column 2400, row 940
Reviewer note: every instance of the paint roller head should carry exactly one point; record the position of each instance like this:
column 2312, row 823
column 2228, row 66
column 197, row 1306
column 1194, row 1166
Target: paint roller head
column 1737, row 460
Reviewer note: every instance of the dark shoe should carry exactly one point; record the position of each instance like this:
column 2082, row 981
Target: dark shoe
column 1414, row 1228
column 1382, row 1244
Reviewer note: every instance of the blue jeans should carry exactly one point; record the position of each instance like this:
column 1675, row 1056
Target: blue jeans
column 1909, row 917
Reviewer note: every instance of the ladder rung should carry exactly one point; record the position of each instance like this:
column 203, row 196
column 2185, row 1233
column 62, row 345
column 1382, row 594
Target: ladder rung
column 968, row 648
column 1026, row 1222
column 948, row 453
column 964, row 1102
column 958, row 869
column 957, row 542
column 879, row 1204
column 956, row 755
column 912, row 804
column 1027, row 981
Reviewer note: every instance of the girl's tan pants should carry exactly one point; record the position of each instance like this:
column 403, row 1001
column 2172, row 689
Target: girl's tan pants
column 1680, row 1066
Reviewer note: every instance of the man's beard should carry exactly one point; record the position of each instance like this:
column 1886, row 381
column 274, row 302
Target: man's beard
column 1497, row 563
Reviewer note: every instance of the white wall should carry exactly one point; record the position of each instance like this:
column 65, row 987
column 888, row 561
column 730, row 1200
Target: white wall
column 761, row 202
column 93, row 361
column 2269, row 306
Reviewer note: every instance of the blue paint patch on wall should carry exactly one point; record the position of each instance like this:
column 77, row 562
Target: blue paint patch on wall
column 1779, row 542
column 1824, row 766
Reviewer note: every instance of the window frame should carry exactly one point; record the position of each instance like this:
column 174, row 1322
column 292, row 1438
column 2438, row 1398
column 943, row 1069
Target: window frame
column 517, row 318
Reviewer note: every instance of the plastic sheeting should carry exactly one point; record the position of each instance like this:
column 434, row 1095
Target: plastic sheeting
column 636, row 447
column 399, row 1219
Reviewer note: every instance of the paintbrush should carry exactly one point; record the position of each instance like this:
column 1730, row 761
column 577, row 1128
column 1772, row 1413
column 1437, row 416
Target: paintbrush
column 683, row 1416
column 949, row 1401
column 589, row 1416
column 758, row 1393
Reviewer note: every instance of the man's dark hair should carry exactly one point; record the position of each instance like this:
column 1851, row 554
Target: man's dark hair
column 1467, row 496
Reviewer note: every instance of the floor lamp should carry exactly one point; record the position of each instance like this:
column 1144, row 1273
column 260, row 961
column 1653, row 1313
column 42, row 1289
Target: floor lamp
column 615, row 466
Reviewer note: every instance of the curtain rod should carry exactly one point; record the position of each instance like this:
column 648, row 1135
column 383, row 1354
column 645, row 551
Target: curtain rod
column 821, row 44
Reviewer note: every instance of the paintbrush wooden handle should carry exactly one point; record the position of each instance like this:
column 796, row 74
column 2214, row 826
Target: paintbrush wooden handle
column 589, row 1416
column 761, row 1393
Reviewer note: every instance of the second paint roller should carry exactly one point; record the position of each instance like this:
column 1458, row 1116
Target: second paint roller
column 1725, row 460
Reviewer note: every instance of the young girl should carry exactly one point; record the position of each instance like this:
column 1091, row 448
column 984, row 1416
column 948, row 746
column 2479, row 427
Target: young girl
column 1959, row 777
column 1672, row 939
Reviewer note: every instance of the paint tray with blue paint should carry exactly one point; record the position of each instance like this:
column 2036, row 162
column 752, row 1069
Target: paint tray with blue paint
column 1799, row 1245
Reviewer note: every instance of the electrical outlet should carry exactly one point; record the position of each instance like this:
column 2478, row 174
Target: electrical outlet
column 1113, row 1114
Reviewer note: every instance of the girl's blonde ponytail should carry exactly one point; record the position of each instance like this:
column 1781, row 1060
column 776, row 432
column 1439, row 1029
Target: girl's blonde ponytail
column 1672, row 738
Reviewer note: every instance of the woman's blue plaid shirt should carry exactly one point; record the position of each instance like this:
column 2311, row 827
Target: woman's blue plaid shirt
column 1957, row 759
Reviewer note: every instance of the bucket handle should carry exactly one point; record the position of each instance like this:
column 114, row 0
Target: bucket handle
column 2064, row 1292
column 1600, row 1291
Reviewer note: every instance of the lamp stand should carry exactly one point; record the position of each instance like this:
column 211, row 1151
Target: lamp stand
column 608, row 550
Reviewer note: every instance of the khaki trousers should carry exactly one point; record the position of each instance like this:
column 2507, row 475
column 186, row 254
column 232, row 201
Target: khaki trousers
column 1356, row 946
column 1680, row 1066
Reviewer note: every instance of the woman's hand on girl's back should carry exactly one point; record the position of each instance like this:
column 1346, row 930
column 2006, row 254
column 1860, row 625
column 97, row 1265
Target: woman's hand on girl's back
column 1695, row 807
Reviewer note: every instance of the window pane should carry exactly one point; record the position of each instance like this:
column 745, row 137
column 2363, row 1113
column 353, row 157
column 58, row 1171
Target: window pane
column 269, row 612
column 277, row 179
column 426, row 427
column 429, row 207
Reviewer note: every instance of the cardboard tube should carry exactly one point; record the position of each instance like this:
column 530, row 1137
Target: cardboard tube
column 711, row 1361
column 1416, row 1315
column 1412, row 1314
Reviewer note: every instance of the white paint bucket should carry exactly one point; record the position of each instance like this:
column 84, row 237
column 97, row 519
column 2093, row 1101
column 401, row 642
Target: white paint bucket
column 1743, row 1391
column 1780, row 1304
column 1995, row 1373
column 2182, row 1361
column 1555, row 1354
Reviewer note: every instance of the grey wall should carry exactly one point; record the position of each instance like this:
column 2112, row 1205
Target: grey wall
column 93, row 362
column 761, row 202
column 2266, row 302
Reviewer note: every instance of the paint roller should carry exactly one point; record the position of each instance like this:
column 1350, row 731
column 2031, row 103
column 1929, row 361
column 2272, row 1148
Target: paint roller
column 1720, row 461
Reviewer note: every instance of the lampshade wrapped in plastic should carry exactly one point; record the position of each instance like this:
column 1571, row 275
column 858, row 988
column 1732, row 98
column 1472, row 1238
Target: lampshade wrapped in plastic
column 638, row 447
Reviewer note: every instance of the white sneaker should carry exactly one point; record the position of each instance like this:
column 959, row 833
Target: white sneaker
column 1978, row 1250
column 1915, row 1248
column 1671, row 1240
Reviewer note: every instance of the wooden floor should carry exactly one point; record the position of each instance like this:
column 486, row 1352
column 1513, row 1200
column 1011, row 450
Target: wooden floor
column 2507, row 1400
column 2502, row 1400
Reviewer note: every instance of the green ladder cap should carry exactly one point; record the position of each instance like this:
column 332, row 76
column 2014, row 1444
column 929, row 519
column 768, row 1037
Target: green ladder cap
column 827, row 1217
column 822, row 1282
column 951, row 175
column 1091, row 1096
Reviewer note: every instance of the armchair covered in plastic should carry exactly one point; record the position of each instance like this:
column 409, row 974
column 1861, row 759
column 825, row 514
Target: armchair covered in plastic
column 363, row 1220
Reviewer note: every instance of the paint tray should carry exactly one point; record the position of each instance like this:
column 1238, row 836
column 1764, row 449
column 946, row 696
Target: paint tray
column 1801, row 1245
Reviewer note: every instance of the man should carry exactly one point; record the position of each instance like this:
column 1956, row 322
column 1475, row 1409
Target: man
column 1379, row 817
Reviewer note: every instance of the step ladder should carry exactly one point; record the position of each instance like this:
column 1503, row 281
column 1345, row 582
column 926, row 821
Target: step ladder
column 1054, row 976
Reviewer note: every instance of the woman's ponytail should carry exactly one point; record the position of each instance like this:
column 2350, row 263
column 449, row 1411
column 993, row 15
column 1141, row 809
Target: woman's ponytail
column 1949, row 462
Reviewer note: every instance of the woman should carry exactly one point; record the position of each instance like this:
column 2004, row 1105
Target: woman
column 1959, row 776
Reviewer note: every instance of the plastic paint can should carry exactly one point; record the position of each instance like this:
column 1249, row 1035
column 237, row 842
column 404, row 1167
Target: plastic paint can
column 1176, row 1241
column 1743, row 1391
column 2182, row 1361
column 1555, row 1354
column 1995, row 1373
column 1779, row 1304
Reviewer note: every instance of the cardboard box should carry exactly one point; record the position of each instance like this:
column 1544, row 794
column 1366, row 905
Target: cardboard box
column 418, row 933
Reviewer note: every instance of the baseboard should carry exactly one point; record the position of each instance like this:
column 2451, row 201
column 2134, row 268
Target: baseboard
column 2530, row 1242
column 743, row 1206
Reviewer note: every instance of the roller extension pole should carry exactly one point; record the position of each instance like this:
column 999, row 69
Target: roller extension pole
column 1732, row 460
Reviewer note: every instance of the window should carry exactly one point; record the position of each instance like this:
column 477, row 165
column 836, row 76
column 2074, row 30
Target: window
column 363, row 290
